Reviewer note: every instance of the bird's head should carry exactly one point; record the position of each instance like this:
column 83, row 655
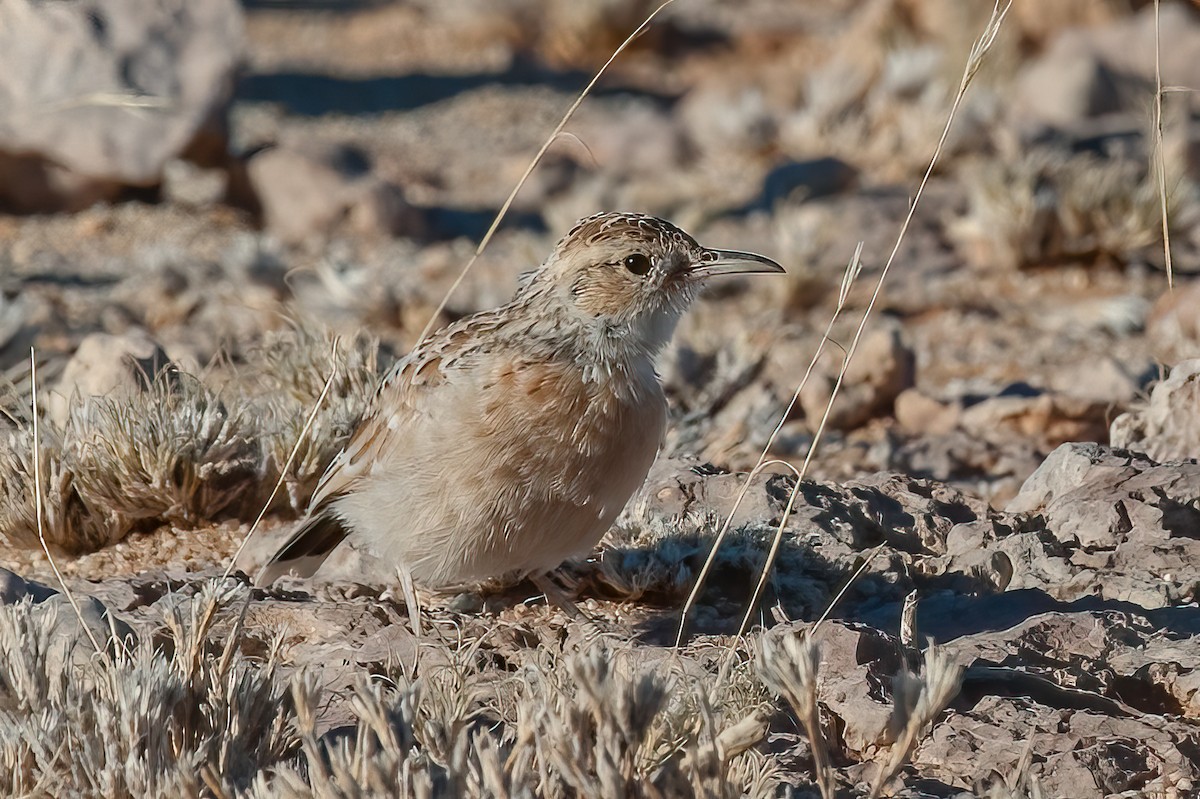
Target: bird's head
column 631, row 276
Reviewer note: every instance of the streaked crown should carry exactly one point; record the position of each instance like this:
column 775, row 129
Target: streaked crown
column 632, row 275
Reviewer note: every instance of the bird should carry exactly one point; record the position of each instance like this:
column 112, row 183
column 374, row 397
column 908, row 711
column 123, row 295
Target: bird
column 511, row 439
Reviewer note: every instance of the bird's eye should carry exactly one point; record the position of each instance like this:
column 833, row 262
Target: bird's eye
column 638, row 263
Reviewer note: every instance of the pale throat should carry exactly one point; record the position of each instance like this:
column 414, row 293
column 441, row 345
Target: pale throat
column 621, row 358
column 615, row 351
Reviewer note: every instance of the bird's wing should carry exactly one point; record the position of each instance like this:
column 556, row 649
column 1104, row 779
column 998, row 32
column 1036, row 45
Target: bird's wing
column 407, row 392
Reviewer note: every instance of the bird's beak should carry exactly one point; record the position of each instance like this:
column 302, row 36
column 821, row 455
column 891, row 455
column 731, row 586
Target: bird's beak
column 731, row 262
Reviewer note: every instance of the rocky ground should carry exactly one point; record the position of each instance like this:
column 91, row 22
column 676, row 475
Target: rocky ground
column 198, row 202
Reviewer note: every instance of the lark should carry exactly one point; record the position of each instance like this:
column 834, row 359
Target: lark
column 510, row 440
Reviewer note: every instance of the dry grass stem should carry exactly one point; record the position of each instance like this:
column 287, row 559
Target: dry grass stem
column 917, row 700
column 853, row 268
column 908, row 620
column 37, row 503
column 789, row 666
column 974, row 60
column 1160, row 157
column 127, row 100
column 512, row 196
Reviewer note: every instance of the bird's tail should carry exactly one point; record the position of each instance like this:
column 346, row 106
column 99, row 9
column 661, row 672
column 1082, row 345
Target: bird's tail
column 305, row 550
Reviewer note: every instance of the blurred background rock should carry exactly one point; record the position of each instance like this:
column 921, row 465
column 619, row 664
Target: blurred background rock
column 192, row 177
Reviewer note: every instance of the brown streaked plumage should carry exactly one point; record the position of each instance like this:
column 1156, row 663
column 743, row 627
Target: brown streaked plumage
column 510, row 440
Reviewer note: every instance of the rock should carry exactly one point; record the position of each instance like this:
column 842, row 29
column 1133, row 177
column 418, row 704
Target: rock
column 796, row 181
column 996, row 468
column 987, row 568
column 14, row 310
column 635, row 138
column 683, row 491
column 105, row 363
column 335, row 639
column 77, row 625
column 1112, row 681
column 727, row 118
column 14, row 588
column 1127, row 46
column 1090, row 650
column 30, row 184
column 1061, row 473
column 992, row 735
column 1049, row 419
column 311, row 190
column 1120, row 515
column 832, row 90
column 101, row 94
column 659, row 535
column 1067, row 83
column 1121, row 315
column 1040, row 24
column 1088, row 72
column 1168, row 427
column 189, row 184
column 1102, row 379
column 923, row 415
column 73, row 625
column 883, row 366
column 1173, row 323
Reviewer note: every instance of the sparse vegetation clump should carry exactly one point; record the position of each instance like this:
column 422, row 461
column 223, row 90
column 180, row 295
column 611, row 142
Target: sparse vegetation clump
column 180, row 711
column 178, row 708
column 1049, row 207
column 282, row 380
column 164, row 715
column 176, row 453
column 184, row 450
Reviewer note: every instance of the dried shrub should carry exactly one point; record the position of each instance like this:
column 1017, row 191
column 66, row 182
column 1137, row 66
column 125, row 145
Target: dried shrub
column 184, row 451
column 283, row 379
column 136, row 721
column 1049, row 206
column 584, row 725
column 790, row 666
column 175, row 453
column 917, row 701
column 68, row 523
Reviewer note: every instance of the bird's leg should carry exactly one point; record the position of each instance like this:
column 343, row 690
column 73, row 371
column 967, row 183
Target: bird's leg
column 556, row 596
column 410, row 599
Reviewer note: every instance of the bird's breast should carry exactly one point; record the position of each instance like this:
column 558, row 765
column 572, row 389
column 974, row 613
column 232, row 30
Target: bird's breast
column 518, row 464
column 551, row 423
